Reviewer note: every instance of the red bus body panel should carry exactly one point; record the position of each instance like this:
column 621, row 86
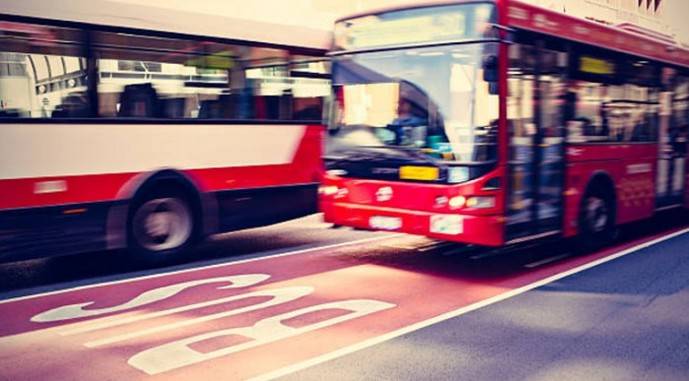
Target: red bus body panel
column 631, row 167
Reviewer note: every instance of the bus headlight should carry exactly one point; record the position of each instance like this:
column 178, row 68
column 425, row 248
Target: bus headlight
column 332, row 190
column 481, row 202
column 328, row 190
column 457, row 202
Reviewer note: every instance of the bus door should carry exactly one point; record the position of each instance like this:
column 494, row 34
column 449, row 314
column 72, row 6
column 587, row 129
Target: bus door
column 672, row 141
column 536, row 81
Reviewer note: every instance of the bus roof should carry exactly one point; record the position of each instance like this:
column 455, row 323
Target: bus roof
column 521, row 15
column 115, row 14
column 409, row 4
column 614, row 37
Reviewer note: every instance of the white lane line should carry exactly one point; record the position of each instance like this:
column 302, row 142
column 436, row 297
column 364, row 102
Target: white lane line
column 158, row 275
column 435, row 246
column 546, row 261
column 453, row 314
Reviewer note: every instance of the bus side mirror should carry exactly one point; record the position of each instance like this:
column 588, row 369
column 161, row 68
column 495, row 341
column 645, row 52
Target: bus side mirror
column 490, row 73
column 493, row 88
column 490, row 68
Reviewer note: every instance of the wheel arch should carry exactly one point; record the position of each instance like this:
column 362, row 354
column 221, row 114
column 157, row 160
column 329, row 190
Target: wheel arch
column 204, row 205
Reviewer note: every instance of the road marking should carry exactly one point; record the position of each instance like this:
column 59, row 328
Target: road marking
column 75, row 311
column 91, row 325
column 180, row 353
column 218, row 265
column 487, row 254
column 546, row 261
column 458, row 312
column 278, row 296
column 435, row 246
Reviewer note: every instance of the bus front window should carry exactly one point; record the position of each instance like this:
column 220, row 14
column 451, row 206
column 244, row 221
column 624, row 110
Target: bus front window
column 440, row 101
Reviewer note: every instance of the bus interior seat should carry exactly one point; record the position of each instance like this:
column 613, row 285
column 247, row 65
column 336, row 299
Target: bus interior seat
column 173, row 108
column 139, row 100
column 74, row 105
column 308, row 108
column 225, row 107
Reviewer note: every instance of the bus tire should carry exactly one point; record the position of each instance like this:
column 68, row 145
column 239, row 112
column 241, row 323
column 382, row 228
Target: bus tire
column 162, row 226
column 596, row 218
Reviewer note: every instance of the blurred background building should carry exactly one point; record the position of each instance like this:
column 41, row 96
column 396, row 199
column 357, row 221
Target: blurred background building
column 661, row 16
column 647, row 14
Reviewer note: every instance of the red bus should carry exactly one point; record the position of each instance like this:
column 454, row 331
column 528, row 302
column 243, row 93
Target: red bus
column 498, row 122
column 147, row 128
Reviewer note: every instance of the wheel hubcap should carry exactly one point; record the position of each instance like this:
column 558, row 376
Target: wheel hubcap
column 162, row 224
column 596, row 214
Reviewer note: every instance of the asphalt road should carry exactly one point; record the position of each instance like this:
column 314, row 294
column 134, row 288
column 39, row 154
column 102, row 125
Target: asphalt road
column 302, row 301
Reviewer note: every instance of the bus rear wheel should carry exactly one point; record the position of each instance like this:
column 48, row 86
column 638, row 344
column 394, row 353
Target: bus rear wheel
column 596, row 221
column 162, row 227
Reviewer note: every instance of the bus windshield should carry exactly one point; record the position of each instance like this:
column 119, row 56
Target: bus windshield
column 439, row 100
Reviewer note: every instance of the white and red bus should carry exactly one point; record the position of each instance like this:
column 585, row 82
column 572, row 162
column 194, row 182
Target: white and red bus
column 124, row 125
column 497, row 122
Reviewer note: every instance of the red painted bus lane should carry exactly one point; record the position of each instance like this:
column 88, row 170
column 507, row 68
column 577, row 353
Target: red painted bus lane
column 242, row 320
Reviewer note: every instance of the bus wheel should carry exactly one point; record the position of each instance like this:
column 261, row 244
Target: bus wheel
column 596, row 221
column 161, row 228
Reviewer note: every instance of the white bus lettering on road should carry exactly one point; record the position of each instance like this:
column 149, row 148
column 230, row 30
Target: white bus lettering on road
column 178, row 354
column 75, row 311
column 278, row 296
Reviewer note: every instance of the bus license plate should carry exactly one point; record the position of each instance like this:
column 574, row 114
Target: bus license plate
column 385, row 223
column 410, row 172
column 447, row 224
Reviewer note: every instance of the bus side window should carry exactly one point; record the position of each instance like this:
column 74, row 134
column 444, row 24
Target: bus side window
column 42, row 72
column 156, row 77
column 615, row 98
column 680, row 113
column 642, row 84
column 587, row 102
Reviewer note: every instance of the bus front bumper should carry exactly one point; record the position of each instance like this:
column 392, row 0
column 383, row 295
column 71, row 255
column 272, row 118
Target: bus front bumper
column 477, row 230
